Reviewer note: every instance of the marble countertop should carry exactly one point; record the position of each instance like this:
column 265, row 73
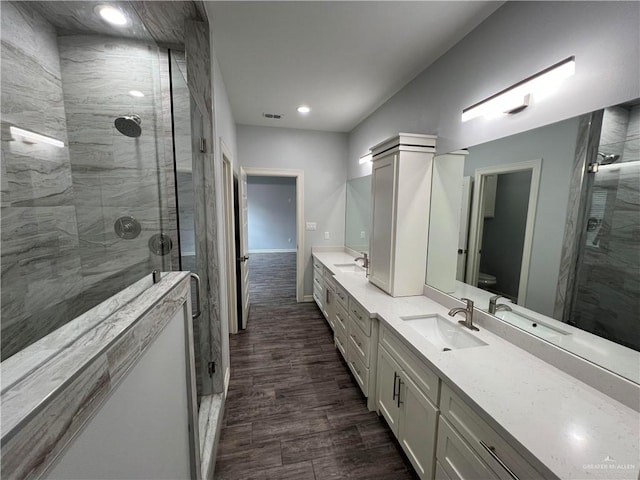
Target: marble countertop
column 614, row 357
column 553, row 419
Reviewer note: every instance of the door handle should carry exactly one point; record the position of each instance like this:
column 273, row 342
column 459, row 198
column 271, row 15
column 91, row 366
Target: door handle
column 197, row 313
column 243, row 259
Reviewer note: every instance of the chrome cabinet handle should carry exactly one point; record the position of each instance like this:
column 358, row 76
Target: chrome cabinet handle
column 197, row 313
column 356, row 369
column 357, row 314
column 395, row 377
column 494, row 455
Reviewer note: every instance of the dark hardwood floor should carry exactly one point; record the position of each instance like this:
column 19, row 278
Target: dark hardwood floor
column 293, row 410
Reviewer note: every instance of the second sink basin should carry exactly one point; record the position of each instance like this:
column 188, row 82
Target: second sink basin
column 349, row 267
column 442, row 333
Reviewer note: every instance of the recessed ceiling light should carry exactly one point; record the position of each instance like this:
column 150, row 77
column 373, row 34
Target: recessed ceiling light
column 136, row 93
column 303, row 109
column 112, row 15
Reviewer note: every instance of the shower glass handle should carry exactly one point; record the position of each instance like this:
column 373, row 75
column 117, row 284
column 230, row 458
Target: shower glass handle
column 197, row 313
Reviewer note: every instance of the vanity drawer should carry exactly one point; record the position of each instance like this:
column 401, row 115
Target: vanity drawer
column 455, row 460
column 360, row 343
column 422, row 375
column 317, row 280
column 477, row 432
column 342, row 296
column 360, row 316
column 341, row 318
column 317, row 266
column 360, row 372
column 340, row 339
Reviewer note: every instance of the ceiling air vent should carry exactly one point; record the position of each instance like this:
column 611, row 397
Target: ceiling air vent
column 276, row 116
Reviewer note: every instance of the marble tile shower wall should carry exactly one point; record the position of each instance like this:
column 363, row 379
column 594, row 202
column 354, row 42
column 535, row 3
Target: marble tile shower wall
column 609, row 277
column 60, row 253
column 41, row 267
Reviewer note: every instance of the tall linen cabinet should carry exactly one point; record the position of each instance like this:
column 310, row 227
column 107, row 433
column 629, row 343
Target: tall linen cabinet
column 400, row 201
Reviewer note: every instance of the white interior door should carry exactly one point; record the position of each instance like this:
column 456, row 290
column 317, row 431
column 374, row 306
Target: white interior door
column 243, row 256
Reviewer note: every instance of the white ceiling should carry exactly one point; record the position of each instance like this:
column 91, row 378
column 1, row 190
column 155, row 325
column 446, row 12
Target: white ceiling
column 343, row 59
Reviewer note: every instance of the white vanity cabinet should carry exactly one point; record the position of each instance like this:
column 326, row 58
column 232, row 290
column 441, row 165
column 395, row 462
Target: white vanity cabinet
column 362, row 345
column 468, row 448
column 407, row 397
column 318, row 283
column 400, row 198
column 329, row 304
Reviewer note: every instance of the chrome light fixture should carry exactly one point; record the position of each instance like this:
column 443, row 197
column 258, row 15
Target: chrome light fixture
column 367, row 157
column 516, row 98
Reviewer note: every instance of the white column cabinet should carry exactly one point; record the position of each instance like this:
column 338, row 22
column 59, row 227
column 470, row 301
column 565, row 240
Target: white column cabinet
column 400, row 198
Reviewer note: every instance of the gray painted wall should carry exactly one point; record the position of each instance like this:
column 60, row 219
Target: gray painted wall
column 321, row 155
column 519, row 39
column 271, row 213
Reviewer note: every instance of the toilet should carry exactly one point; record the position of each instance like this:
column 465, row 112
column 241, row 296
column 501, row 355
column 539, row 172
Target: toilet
column 486, row 280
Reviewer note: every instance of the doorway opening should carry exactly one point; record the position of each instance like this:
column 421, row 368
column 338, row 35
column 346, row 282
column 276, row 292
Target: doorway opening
column 270, row 246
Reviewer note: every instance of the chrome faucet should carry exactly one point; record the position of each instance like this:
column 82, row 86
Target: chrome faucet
column 365, row 261
column 494, row 307
column 468, row 314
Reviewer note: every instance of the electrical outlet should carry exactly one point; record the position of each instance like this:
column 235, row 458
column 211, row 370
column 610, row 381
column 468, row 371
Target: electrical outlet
column 311, row 226
column 326, row 235
column 362, row 234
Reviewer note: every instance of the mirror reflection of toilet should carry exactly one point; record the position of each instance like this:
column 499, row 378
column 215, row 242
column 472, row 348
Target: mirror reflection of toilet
column 486, row 281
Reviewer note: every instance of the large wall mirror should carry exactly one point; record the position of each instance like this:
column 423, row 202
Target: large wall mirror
column 549, row 221
column 357, row 214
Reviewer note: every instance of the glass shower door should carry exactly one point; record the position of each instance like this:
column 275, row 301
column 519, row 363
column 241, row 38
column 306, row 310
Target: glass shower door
column 605, row 301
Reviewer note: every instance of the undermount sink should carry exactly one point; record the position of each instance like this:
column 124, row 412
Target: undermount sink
column 530, row 324
column 444, row 334
column 349, row 267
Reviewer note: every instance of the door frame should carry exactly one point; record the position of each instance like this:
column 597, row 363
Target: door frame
column 229, row 234
column 475, row 235
column 299, row 176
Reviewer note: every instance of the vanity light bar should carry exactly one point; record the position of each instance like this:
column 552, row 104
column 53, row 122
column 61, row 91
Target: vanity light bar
column 515, row 98
column 33, row 137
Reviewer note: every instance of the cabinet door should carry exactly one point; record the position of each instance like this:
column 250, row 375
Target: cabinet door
column 383, row 180
column 417, row 428
column 388, row 385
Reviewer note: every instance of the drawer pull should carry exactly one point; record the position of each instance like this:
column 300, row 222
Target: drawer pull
column 356, row 369
column 356, row 341
column 341, row 296
column 400, row 382
column 357, row 315
column 492, row 452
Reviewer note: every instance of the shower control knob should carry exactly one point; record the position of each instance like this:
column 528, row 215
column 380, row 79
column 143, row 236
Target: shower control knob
column 127, row 227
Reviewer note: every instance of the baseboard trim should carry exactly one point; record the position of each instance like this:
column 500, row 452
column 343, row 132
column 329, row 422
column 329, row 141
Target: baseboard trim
column 307, row 298
column 274, row 250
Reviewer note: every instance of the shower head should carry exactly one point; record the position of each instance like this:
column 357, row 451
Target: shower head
column 129, row 125
column 608, row 159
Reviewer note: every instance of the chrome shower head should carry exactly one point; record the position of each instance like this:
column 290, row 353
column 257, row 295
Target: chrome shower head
column 608, row 159
column 129, row 125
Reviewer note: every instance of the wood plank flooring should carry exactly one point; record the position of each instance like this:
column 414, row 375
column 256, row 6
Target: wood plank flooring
column 293, row 410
